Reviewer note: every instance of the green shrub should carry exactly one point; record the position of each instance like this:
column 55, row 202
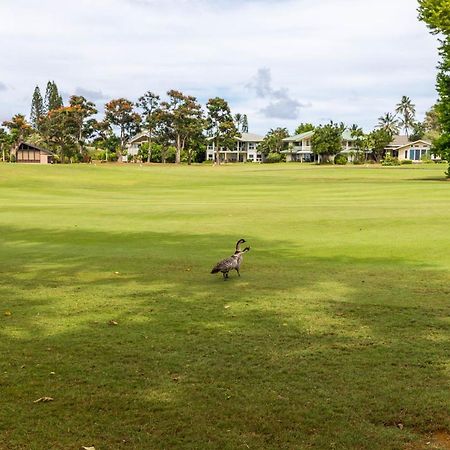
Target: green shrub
column 273, row 158
column 426, row 159
column 390, row 161
column 359, row 159
column 341, row 160
column 208, row 162
column 406, row 162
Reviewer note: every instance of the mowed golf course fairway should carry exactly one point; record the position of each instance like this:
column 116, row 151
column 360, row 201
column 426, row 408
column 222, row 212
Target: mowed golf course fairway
column 337, row 335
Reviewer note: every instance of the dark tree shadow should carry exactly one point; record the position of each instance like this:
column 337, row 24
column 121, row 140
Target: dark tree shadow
column 300, row 352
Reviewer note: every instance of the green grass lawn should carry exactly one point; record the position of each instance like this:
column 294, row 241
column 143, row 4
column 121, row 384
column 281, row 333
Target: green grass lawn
column 337, row 335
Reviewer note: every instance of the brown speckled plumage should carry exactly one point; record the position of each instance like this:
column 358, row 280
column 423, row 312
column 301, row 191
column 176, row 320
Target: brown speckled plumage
column 233, row 262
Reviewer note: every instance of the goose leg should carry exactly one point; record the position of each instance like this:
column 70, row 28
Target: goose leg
column 237, row 270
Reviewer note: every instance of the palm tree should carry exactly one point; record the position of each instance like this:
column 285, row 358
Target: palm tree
column 238, row 120
column 389, row 123
column 408, row 112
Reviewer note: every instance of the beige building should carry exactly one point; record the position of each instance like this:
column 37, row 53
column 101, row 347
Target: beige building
column 30, row 153
column 403, row 149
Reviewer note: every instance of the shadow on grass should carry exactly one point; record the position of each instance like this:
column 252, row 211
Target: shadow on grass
column 300, row 352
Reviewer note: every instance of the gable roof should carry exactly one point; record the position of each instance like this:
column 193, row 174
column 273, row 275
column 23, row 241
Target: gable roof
column 138, row 136
column 399, row 140
column 34, row 147
column 299, row 137
column 409, row 144
column 245, row 137
column 346, row 135
column 250, row 137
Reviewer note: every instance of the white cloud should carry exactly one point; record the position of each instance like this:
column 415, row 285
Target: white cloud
column 351, row 60
column 282, row 105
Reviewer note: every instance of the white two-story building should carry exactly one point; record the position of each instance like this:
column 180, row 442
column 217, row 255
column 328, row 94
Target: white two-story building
column 245, row 150
column 300, row 148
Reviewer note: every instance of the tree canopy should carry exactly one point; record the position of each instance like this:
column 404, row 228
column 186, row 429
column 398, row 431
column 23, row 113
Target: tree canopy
column 327, row 140
column 435, row 13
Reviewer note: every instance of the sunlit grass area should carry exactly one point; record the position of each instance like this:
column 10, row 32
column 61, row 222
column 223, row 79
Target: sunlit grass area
column 336, row 335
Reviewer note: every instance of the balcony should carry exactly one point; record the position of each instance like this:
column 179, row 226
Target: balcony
column 300, row 149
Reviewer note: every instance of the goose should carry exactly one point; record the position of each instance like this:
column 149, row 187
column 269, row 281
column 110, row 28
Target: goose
column 233, row 262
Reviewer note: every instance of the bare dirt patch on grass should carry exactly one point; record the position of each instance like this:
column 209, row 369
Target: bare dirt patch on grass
column 439, row 440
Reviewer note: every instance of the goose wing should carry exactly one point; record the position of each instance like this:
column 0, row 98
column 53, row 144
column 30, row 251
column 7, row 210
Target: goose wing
column 224, row 265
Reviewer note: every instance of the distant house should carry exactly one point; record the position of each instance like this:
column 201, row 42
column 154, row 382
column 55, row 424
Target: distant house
column 403, row 149
column 30, row 153
column 300, row 148
column 134, row 144
column 245, row 150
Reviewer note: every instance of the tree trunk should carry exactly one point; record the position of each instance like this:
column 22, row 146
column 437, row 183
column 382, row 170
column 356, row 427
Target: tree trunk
column 178, row 153
column 217, row 152
column 149, row 154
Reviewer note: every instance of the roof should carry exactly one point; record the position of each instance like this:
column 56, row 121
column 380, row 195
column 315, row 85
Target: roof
column 346, row 135
column 299, row 137
column 244, row 137
column 409, row 144
column 399, row 141
column 250, row 137
column 138, row 136
column 35, row 147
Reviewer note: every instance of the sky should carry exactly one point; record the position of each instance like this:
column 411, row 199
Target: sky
column 281, row 62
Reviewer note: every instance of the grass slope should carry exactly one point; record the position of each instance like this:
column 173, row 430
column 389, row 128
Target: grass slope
column 337, row 332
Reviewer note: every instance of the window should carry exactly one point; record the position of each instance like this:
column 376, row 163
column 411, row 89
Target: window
column 414, row 155
column 406, row 154
column 251, row 146
column 210, row 157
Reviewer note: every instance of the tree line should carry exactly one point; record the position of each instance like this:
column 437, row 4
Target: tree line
column 176, row 126
column 327, row 139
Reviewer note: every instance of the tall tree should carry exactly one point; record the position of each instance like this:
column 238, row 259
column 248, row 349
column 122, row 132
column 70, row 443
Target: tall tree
column 244, row 124
column 103, row 136
column 360, row 142
column 119, row 112
column 389, row 123
column 431, row 121
column 417, row 132
column 380, row 139
column 60, row 130
column 149, row 103
column 304, row 127
column 407, row 111
column 238, row 120
column 327, row 140
column 37, row 108
column 5, row 142
column 184, row 117
column 52, row 98
column 220, row 125
column 435, row 13
column 19, row 129
column 273, row 141
column 83, row 110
